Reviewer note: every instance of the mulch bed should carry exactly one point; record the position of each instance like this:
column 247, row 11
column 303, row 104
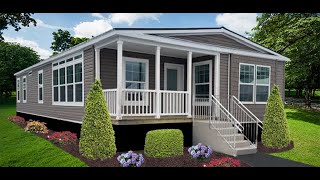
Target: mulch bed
column 264, row 149
column 179, row 161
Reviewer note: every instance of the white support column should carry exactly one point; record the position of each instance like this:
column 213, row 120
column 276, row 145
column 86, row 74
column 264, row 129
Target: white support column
column 97, row 63
column 217, row 76
column 119, row 78
column 189, row 82
column 157, row 81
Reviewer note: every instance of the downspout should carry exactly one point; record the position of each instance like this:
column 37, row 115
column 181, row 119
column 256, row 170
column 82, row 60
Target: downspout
column 229, row 59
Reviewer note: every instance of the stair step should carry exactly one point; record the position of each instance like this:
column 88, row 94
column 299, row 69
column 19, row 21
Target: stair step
column 227, row 131
column 246, row 150
column 221, row 124
column 230, row 137
column 240, row 144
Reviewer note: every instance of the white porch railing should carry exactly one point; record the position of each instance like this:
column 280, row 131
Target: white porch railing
column 111, row 98
column 174, row 102
column 136, row 102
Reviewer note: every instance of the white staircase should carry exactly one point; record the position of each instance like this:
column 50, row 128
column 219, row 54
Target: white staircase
column 232, row 131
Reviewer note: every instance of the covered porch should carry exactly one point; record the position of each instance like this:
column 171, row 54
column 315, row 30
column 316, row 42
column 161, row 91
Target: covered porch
column 153, row 81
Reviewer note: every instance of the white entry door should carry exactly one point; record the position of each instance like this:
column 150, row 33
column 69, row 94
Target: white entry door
column 173, row 77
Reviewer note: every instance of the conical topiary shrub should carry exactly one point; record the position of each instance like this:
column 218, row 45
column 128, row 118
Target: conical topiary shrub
column 97, row 137
column 275, row 133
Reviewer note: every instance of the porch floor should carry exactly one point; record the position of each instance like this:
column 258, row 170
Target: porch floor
column 131, row 120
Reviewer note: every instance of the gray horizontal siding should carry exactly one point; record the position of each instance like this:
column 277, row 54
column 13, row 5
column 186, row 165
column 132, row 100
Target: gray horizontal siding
column 277, row 77
column 217, row 39
column 46, row 109
column 109, row 67
column 224, row 76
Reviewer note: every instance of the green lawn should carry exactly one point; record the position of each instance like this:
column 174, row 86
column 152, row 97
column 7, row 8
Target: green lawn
column 304, row 129
column 22, row 149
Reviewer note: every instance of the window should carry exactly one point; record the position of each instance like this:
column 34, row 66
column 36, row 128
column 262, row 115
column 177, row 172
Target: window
column 246, row 82
column 262, row 83
column 24, row 89
column 135, row 76
column 67, row 81
column 254, row 83
column 18, row 90
column 40, row 86
column 202, row 79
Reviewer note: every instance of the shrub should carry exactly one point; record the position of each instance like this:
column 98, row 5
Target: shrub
column 200, row 151
column 130, row 159
column 63, row 138
column 223, row 162
column 36, row 126
column 164, row 143
column 16, row 119
column 275, row 132
column 97, row 138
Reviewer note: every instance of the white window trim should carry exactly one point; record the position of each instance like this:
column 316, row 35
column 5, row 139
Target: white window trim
column 130, row 59
column 253, row 84
column 73, row 62
column 40, row 86
column 180, row 78
column 263, row 84
column 194, row 80
column 26, row 88
column 18, row 90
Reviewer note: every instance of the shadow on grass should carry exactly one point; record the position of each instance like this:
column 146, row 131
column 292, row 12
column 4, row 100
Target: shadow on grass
column 310, row 116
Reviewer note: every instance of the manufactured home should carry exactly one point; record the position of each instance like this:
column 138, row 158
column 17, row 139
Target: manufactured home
column 211, row 83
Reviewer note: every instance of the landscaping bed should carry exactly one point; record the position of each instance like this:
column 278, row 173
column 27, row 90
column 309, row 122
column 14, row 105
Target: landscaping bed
column 184, row 160
column 264, row 149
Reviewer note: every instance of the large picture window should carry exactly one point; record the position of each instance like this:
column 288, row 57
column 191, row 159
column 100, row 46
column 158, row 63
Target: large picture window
column 67, row 81
column 254, row 83
column 40, row 86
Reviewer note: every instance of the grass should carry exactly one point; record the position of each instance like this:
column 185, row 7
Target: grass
column 293, row 93
column 22, row 149
column 304, row 126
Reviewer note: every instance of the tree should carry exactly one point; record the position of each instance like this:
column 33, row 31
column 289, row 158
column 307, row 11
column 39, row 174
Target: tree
column 15, row 20
column 97, row 137
column 275, row 133
column 13, row 58
column 295, row 35
column 63, row 40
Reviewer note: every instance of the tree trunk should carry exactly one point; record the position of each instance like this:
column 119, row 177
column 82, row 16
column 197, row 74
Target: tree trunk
column 308, row 93
column 289, row 91
column 313, row 93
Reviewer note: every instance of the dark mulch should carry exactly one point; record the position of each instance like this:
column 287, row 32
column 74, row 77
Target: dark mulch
column 184, row 160
column 263, row 149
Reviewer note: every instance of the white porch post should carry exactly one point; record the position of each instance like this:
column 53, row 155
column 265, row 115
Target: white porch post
column 157, row 81
column 217, row 77
column 189, row 82
column 119, row 78
column 97, row 63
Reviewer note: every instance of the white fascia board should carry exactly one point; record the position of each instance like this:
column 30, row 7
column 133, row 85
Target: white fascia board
column 72, row 50
column 192, row 45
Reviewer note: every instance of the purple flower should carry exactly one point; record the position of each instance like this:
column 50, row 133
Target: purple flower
column 122, row 161
column 189, row 150
column 138, row 164
column 119, row 158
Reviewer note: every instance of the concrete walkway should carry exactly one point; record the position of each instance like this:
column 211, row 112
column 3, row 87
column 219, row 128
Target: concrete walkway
column 266, row 160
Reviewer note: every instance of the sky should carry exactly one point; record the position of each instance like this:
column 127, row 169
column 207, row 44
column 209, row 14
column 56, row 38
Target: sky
column 40, row 37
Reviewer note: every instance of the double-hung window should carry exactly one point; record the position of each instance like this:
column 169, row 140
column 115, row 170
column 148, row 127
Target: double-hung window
column 24, row 89
column 67, row 81
column 136, row 73
column 40, row 86
column 18, row 90
column 254, row 83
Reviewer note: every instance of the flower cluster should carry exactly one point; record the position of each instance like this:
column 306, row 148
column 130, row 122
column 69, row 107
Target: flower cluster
column 200, row 151
column 63, row 138
column 36, row 126
column 223, row 162
column 16, row 119
column 130, row 159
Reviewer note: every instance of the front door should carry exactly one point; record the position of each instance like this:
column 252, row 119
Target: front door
column 202, row 79
column 173, row 77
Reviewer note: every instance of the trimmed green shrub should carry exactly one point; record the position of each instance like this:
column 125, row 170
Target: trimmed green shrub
column 275, row 133
column 97, row 137
column 164, row 143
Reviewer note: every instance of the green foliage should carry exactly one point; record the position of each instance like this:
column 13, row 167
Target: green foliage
column 13, row 58
column 295, row 35
column 15, row 20
column 63, row 40
column 164, row 143
column 97, row 137
column 275, row 133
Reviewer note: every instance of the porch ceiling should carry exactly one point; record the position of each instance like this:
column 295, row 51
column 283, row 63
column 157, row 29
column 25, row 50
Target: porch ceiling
column 141, row 48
